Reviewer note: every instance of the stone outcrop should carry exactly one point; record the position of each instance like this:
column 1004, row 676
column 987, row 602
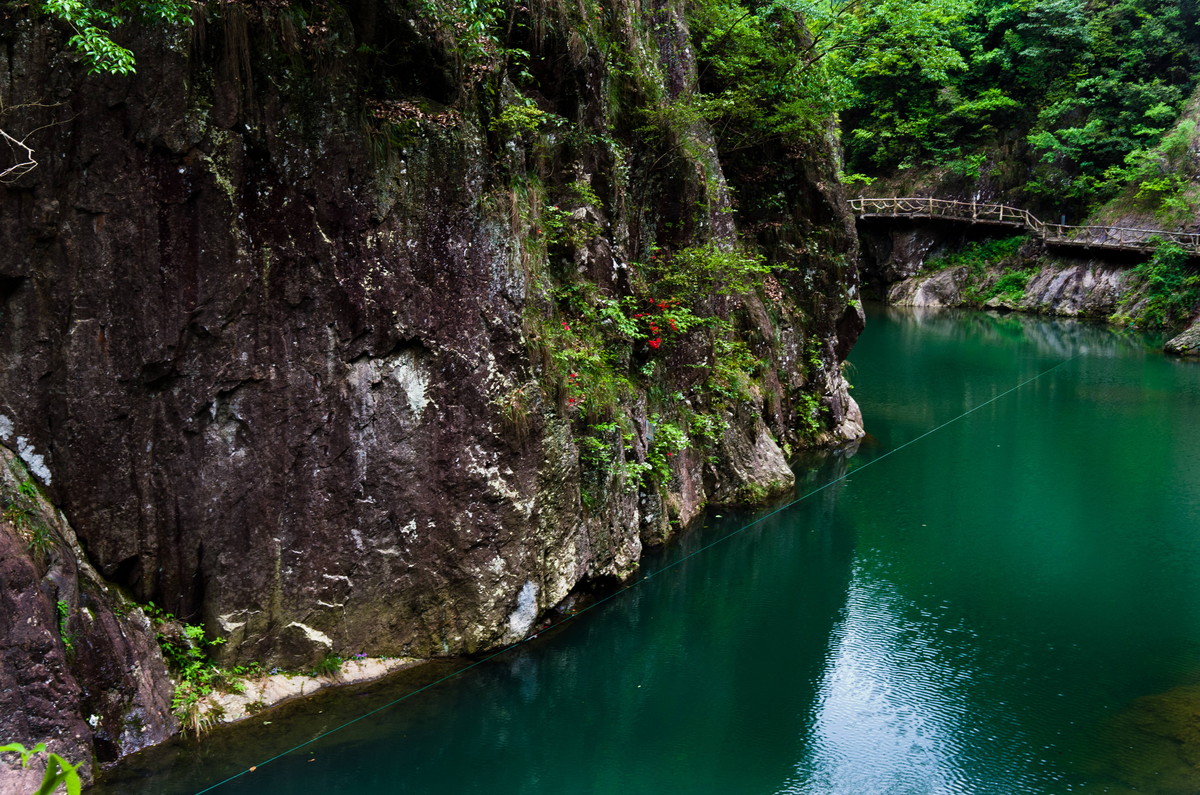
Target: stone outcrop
column 1076, row 288
column 943, row 288
column 80, row 669
column 1187, row 342
column 900, row 260
column 275, row 320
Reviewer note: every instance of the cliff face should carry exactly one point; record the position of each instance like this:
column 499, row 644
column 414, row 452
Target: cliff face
column 80, row 669
column 285, row 318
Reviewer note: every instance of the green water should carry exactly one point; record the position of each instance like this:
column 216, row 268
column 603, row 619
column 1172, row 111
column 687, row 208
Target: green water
column 998, row 607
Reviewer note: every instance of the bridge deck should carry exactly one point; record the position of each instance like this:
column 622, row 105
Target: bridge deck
column 1112, row 238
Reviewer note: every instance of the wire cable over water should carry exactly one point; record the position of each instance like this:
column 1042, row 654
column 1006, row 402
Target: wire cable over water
column 646, row 576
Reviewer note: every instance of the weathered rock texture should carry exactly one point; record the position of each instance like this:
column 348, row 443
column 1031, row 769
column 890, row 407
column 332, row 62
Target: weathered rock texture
column 80, row 669
column 1067, row 288
column 892, row 251
column 1187, row 342
column 275, row 315
column 898, row 261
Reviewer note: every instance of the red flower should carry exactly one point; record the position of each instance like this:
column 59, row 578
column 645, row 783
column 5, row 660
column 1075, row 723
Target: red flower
column 565, row 326
column 673, row 326
column 654, row 343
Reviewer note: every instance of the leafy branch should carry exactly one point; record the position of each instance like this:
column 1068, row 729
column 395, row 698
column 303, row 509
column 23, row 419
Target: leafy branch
column 93, row 28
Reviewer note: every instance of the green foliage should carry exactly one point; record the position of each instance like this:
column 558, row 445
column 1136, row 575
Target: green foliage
column 808, row 409
column 64, row 634
column 59, row 772
column 1171, row 292
column 521, row 118
column 184, row 648
column 978, row 254
column 1160, row 176
column 603, row 352
column 854, row 180
column 981, row 259
column 707, row 428
column 732, row 370
column 94, row 23
column 477, row 31
column 1010, row 286
column 21, row 510
column 781, row 69
column 330, row 665
column 562, row 227
column 606, row 451
column 591, row 352
column 668, row 440
column 1094, row 86
column 697, row 273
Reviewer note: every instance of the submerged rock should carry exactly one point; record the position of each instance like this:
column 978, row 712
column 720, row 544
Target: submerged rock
column 1154, row 745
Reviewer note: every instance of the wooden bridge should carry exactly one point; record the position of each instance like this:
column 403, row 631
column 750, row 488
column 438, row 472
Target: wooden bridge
column 1059, row 235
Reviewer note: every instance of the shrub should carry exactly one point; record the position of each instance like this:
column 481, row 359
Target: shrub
column 1171, row 292
column 330, row 665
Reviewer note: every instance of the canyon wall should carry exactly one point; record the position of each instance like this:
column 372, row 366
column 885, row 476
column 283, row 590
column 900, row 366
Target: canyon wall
column 292, row 323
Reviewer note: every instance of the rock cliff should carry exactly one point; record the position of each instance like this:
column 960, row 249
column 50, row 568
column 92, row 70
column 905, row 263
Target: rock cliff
column 921, row 264
column 294, row 323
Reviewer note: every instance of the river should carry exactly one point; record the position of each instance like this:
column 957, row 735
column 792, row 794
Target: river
column 1002, row 602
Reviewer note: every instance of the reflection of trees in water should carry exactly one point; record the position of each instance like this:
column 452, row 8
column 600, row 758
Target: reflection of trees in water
column 1059, row 337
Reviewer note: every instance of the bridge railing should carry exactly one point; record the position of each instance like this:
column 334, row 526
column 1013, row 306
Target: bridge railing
column 1118, row 237
column 1059, row 234
column 947, row 208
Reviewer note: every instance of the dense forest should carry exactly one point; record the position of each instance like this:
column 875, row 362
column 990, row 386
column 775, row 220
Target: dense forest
column 1086, row 91
column 1065, row 102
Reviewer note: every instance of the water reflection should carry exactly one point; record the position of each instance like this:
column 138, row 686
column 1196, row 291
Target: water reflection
column 880, row 707
column 1048, row 336
column 964, row 616
column 1153, row 746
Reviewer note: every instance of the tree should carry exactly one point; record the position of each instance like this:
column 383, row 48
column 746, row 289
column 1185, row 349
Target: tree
column 781, row 69
column 92, row 24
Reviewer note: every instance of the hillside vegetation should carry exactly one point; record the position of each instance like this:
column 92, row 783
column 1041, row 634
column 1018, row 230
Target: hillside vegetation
column 1061, row 105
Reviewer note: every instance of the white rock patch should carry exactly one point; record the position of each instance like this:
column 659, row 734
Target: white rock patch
column 521, row 619
column 316, row 636
column 35, row 461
